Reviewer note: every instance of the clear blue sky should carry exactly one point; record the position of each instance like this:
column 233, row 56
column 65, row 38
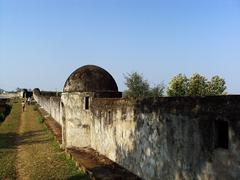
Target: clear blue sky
column 43, row 41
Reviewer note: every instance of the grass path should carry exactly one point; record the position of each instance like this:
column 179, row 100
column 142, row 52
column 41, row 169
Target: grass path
column 8, row 135
column 35, row 153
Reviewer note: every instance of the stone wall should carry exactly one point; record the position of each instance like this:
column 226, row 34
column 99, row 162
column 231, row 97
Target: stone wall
column 10, row 95
column 165, row 138
column 112, row 127
column 50, row 102
column 77, row 121
column 55, row 109
column 171, row 138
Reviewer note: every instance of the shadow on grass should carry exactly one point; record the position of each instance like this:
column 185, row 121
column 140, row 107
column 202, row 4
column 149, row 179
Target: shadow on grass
column 78, row 176
column 33, row 137
column 8, row 140
column 11, row 140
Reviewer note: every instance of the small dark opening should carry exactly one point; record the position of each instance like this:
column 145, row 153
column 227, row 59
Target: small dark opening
column 221, row 134
column 109, row 117
column 86, row 103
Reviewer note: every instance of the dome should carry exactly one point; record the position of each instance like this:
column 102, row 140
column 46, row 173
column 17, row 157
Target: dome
column 90, row 78
column 36, row 91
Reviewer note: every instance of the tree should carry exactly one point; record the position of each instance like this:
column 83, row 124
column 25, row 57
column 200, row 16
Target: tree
column 157, row 91
column 18, row 89
column 197, row 85
column 137, row 85
column 216, row 86
column 178, row 86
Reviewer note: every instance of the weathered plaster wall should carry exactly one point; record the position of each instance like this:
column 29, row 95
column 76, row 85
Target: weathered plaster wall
column 112, row 126
column 10, row 95
column 77, row 120
column 50, row 102
column 167, row 138
column 44, row 101
column 171, row 138
column 55, row 103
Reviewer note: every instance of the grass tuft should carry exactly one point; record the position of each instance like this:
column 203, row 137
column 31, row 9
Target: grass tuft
column 40, row 119
column 35, row 108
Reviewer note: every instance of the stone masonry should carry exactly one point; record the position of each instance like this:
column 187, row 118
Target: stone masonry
column 164, row 138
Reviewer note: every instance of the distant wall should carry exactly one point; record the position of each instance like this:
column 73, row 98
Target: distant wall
column 55, row 103
column 10, row 95
column 50, row 102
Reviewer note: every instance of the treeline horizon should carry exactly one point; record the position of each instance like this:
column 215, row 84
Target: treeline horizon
column 179, row 86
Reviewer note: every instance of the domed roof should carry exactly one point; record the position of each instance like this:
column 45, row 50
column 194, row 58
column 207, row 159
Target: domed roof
column 90, row 78
column 36, row 91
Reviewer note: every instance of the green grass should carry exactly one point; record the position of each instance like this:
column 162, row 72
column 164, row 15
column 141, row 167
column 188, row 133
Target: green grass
column 48, row 161
column 40, row 119
column 35, row 107
column 8, row 135
column 29, row 150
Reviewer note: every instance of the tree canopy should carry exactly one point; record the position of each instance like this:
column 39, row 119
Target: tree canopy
column 216, row 86
column 178, row 86
column 196, row 85
column 139, row 87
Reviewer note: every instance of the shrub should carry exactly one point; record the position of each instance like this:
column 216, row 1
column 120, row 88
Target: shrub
column 2, row 117
column 35, row 107
column 40, row 119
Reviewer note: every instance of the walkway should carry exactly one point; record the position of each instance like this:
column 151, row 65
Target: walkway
column 34, row 152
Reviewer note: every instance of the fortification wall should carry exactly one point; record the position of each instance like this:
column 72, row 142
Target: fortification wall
column 50, row 102
column 112, row 126
column 55, row 109
column 44, row 101
column 167, row 138
column 171, row 138
column 10, row 95
column 77, row 120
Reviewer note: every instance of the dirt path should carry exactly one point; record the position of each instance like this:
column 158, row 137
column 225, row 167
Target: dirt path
column 38, row 154
column 21, row 174
column 32, row 139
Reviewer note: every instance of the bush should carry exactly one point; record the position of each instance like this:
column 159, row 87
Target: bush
column 40, row 119
column 35, row 107
column 5, row 113
column 2, row 117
